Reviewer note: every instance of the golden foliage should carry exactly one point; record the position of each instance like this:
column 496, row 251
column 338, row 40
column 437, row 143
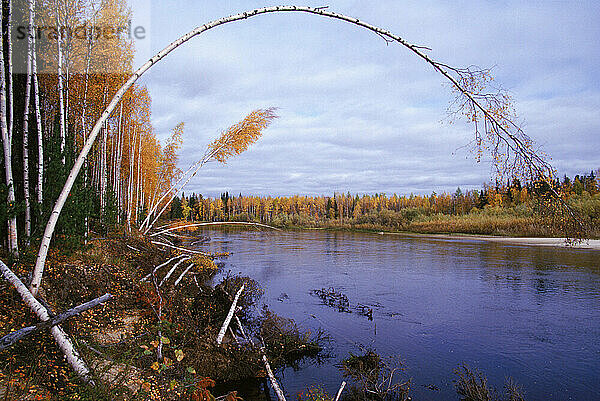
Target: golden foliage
column 237, row 138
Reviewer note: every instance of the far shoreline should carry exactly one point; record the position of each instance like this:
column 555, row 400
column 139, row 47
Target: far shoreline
column 555, row 242
column 590, row 244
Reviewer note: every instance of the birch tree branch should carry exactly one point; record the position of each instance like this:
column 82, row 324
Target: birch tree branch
column 15, row 336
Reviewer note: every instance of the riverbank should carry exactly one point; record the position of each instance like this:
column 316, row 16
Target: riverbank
column 156, row 338
column 559, row 242
column 520, row 221
column 592, row 244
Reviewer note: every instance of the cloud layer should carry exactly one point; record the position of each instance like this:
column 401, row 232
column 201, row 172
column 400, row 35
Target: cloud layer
column 359, row 115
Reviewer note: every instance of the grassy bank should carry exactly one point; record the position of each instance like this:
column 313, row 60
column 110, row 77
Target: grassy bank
column 521, row 220
column 146, row 343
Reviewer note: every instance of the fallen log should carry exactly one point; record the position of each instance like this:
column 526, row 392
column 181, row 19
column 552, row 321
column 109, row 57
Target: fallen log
column 229, row 315
column 274, row 383
column 15, row 336
column 272, row 378
column 183, row 274
column 172, row 270
column 339, row 393
column 62, row 340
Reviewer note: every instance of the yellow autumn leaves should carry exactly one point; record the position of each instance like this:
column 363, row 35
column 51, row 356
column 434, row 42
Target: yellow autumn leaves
column 167, row 362
column 237, row 138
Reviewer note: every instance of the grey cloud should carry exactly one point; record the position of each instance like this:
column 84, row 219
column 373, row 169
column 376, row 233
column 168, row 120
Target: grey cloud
column 362, row 116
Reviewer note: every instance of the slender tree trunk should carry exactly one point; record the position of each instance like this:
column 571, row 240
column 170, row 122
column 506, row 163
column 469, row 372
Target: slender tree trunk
column 9, row 81
column 26, row 123
column 138, row 185
column 84, row 121
column 40, row 133
column 132, row 141
column 103, row 171
column 7, row 147
column 117, row 162
column 61, row 99
column 229, row 316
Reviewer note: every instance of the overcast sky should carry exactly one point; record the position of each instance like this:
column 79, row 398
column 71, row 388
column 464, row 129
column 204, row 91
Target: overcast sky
column 359, row 115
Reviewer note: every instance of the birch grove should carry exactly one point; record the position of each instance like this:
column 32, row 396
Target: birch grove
column 6, row 146
column 65, row 87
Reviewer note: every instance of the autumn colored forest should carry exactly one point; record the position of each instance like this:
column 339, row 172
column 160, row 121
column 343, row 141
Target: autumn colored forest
column 512, row 209
column 50, row 111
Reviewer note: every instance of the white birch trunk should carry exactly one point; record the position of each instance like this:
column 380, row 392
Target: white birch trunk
column 120, row 186
column 177, row 248
column 187, row 269
column 103, row 171
column 38, row 117
column 84, row 121
column 274, row 383
column 7, row 145
column 11, row 338
column 117, row 161
column 138, row 184
column 229, row 315
column 161, row 265
column 61, row 100
column 339, row 393
column 9, row 81
column 218, row 223
column 171, row 271
column 26, row 123
column 130, row 181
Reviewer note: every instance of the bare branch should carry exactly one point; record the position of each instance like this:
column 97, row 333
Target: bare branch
column 15, row 336
column 63, row 341
column 215, row 223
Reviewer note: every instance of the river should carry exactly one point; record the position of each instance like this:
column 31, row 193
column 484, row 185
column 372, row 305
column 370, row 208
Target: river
column 531, row 313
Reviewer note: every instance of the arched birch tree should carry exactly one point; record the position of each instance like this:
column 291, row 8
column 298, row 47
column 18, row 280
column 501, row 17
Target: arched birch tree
column 495, row 129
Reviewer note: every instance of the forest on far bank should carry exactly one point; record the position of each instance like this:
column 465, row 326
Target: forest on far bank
column 510, row 209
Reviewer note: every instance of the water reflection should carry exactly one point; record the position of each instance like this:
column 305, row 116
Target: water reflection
column 532, row 313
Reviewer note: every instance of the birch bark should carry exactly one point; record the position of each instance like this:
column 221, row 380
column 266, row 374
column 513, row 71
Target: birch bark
column 38, row 117
column 61, row 99
column 7, row 147
column 26, row 123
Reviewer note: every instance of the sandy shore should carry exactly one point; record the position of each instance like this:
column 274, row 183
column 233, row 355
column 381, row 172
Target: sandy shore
column 555, row 242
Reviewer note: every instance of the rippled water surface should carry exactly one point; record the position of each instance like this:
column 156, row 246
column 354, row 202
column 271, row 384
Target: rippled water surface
column 532, row 313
